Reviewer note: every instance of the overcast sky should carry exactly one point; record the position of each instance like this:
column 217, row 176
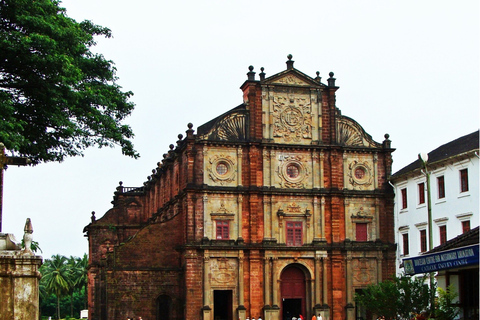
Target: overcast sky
column 407, row 68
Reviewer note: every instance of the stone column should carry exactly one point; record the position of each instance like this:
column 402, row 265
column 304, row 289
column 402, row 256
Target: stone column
column 318, row 288
column 322, row 158
column 239, row 217
column 267, row 281
column 239, row 166
column 241, row 288
column 322, row 215
column 349, row 277
column 207, row 311
column 19, row 277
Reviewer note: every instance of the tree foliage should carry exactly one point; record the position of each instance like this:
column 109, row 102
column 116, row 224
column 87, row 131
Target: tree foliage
column 56, row 96
column 399, row 298
column 63, row 285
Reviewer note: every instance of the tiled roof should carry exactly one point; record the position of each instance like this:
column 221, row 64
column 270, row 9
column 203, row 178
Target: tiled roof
column 452, row 148
column 466, row 239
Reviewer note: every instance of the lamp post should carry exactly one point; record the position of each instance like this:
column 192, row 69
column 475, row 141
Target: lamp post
column 423, row 157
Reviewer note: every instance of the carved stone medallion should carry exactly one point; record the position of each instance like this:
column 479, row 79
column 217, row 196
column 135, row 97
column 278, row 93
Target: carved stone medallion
column 221, row 168
column 292, row 118
column 292, row 172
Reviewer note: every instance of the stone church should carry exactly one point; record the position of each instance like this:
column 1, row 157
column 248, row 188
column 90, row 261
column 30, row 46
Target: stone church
column 276, row 208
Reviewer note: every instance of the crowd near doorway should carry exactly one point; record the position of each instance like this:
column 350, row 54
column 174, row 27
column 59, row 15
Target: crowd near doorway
column 293, row 292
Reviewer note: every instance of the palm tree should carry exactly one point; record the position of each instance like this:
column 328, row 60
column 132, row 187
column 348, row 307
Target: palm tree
column 82, row 275
column 57, row 278
column 78, row 276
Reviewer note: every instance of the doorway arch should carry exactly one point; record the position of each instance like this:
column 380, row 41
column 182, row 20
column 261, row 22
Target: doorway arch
column 164, row 303
column 293, row 292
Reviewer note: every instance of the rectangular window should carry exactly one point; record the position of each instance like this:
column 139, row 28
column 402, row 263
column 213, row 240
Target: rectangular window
column 294, row 233
column 441, row 187
column 464, row 180
column 361, row 232
column 466, row 226
column 443, row 234
column 421, row 193
column 423, row 240
column 404, row 198
column 223, row 229
column 405, row 244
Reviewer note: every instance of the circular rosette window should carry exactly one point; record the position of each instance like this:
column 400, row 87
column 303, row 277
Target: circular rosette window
column 360, row 174
column 222, row 169
column 293, row 172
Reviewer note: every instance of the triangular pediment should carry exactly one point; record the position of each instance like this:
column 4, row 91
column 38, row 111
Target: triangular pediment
column 292, row 77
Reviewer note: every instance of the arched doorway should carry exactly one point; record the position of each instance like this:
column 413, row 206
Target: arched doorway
column 163, row 307
column 293, row 292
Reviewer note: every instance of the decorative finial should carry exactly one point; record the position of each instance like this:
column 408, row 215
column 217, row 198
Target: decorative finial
column 387, row 144
column 180, row 136
column 331, row 80
column 262, row 74
column 318, row 78
column 290, row 62
column 165, row 156
column 190, row 130
column 251, row 74
column 27, row 237
column 93, row 216
column 120, row 183
column 171, row 146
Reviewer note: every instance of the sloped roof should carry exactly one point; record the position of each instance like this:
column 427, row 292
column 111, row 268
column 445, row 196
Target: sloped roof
column 463, row 240
column 458, row 146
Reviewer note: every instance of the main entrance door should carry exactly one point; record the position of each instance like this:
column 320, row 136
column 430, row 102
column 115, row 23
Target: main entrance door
column 222, row 305
column 293, row 293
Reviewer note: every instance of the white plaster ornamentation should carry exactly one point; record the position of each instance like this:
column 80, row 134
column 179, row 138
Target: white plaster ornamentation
column 221, row 169
column 360, row 174
column 293, row 172
column 292, row 118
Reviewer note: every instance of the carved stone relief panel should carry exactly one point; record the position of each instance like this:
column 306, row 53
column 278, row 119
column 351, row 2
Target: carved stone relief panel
column 292, row 170
column 364, row 272
column 359, row 172
column 291, row 80
column 291, row 118
column 221, row 167
column 223, row 272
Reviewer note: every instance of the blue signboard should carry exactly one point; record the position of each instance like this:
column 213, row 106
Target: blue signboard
column 447, row 259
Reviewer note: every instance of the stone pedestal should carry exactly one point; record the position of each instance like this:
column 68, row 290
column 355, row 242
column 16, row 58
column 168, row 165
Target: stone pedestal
column 19, row 281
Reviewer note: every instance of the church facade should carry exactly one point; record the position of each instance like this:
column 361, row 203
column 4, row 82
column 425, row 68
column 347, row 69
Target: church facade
column 276, row 208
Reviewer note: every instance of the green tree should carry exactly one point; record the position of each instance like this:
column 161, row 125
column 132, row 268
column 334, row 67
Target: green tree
column 57, row 97
column 446, row 310
column 57, row 278
column 399, row 298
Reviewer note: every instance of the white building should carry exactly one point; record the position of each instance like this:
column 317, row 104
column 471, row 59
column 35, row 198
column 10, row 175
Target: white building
column 454, row 183
column 453, row 169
